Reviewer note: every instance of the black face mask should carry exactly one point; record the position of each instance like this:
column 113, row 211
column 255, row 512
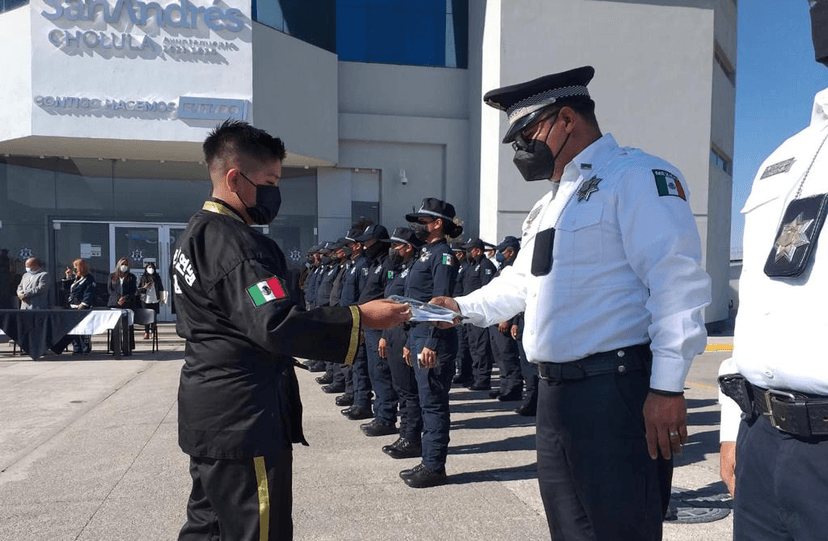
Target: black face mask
column 374, row 250
column 533, row 158
column 395, row 256
column 326, row 260
column 819, row 30
column 420, row 230
column 268, row 201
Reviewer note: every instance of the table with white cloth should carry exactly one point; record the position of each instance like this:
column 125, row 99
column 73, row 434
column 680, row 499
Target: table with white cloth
column 37, row 331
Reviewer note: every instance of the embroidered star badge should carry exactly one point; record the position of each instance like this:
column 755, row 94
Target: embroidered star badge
column 792, row 237
column 588, row 188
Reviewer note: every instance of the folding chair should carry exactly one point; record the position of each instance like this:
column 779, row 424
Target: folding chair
column 146, row 316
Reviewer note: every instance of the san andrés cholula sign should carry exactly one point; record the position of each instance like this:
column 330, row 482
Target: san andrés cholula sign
column 79, row 22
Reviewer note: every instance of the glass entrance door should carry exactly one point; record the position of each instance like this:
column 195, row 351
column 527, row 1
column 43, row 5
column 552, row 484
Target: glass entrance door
column 143, row 243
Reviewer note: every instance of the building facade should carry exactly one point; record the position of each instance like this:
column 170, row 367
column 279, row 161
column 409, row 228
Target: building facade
column 106, row 103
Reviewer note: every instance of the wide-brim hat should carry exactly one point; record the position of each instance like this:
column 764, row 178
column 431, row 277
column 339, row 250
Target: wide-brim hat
column 524, row 102
column 432, row 207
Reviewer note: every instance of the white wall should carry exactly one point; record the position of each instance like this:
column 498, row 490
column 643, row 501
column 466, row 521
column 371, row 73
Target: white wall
column 406, row 117
column 295, row 96
column 16, row 82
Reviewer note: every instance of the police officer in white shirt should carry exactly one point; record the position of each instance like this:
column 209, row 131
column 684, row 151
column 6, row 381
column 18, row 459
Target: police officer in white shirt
column 611, row 284
column 775, row 458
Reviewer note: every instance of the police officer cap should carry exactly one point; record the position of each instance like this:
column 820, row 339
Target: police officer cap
column 315, row 248
column 434, row 208
column 329, row 246
column 509, row 242
column 374, row 231
column 488, row 245
column 350, row 236
column 457, row 246
column 473, row 242
column 405, row 235
column 524, row 102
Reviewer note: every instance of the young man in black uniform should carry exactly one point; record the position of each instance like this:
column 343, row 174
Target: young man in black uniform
column 480, row 272
column 431, row 351
column 404, row 250
column 238, row 400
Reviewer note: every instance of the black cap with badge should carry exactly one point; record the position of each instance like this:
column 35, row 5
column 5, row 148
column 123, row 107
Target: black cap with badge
column 473, row 242
column 404, row 235
column 524, row 102
column 374, row 231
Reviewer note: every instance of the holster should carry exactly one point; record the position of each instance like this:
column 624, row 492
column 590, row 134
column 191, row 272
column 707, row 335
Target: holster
column 736, row 387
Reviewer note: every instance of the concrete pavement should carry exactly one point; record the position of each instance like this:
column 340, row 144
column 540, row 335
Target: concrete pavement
column 88, row 452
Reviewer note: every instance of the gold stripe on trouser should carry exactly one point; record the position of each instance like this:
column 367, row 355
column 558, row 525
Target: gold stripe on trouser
column 354, row 343
column 264, row 498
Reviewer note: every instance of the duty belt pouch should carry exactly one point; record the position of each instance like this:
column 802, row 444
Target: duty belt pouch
column 736, row 387
column 542, row 252
column 797, row 236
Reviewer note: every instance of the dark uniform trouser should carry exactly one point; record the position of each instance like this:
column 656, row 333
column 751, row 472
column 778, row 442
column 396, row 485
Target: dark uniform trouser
column 385, row 406
column 434, row 385
column 530, row 375
column 405, row 384
column 481, row 353
column 240, row 500
column 360, row 383
column 505, row 353
column 597, row 480
column 464, row 360
column 781, row 485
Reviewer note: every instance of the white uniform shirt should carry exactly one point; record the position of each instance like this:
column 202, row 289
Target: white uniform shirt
column 626, row 268
column 781, row 322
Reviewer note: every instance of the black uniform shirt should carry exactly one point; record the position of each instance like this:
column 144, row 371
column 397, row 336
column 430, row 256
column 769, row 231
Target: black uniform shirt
column 432, row 275
column 238, row 396
column 326, row 280
column 379, row 274
column 480, row 272
column 461, row 272
column 355, row 280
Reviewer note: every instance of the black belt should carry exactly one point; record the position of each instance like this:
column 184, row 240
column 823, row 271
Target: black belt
column 619, row 361
column 795, row 413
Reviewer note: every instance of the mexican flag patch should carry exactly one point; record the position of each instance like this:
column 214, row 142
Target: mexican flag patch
column 668, row 184
column 447, row 259
column 266, row 291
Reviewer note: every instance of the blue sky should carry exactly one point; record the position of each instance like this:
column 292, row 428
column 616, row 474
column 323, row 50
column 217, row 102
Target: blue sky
column 776, row 79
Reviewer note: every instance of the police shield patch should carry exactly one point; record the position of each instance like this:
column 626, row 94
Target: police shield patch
column 266, row 291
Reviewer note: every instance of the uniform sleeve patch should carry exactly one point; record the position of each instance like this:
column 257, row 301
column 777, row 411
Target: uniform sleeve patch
column 266, row 291
column 448, row 260
column 668, row 184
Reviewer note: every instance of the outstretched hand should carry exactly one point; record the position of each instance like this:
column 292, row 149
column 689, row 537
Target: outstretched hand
column 451, row 304
column 383, row 314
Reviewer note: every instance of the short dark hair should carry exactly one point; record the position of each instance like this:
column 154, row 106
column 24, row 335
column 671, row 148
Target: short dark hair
column 236, row 138
column 582, row 105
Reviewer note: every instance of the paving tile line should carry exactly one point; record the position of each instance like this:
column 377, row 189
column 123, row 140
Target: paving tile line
column 72, row 420
column 131, row 464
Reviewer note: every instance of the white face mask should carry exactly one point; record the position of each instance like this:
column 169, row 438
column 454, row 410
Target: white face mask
column 150, row 270
column 29, row 270
column 124, row 268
